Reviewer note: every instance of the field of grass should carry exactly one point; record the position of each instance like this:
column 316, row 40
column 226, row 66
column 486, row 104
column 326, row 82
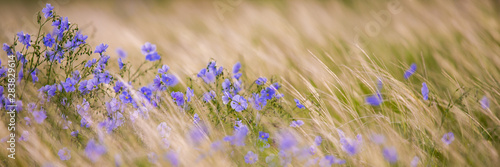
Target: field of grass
column 341, row 87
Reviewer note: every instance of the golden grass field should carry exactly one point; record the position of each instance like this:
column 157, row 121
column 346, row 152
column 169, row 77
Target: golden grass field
column 327, row 54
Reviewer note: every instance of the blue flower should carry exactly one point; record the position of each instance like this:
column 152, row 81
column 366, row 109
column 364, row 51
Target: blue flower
column 236, row 67
column 7, row 49
column 74, row 133
column 33, row 76
column 64, row 154
column 178, row 98
column 239, row 103
column 448, row 138
column 374, row 100
column 148, row 48
column 390, row 154
column 120, row 63
column 24, row 136
column 298, row 104
column 153, row 56
column 226, row 97
column 190, row 94
column 208, row 96
column 296, row 123
column 318, row 140
column 119, row 87
column 226, row 85
column 410, row 71
column 286, row 140
column 48, row 40
column 239, row 135
column 268, row 93
column 39, row 116
column 261, row 81
column 101, row 48
column 94, row 151
column 92, row 84
column 350, row 146
column 163, row 69
column 113, row 105
column 172, row 158
column 329, row 160
column 484, row 102
column 251, row 158
column 425, row 91
column 90, row 63
column 24, row 39
column 207, row 76
column 69, row 85
column 125, row 97
column 105, row 77
column 169, row 79
column 263, row 135
column 258, row 101
column 121, row 53
column 47, row 11
column 146, row 92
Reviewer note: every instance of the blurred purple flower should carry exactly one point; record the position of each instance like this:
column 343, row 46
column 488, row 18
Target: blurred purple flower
column 448, row 138
column 425, row 91
column 251, row 157
column 94, row 151
column 64, row 154
column 390, row 154
column 410, row 71
column 239, row 103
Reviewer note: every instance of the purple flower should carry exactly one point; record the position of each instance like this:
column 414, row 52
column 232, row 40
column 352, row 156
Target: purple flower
column 298, row 104
column 7, row 49
column 209, row 96
column 125, row 97
column 101, row 48
column 318, row 140
column 33, row 76
column 236, row 67
column 390, row 154
column 153, row 56
column 24, row 136
column 286, row 140
column 47, row 11
column 48, row 40
column 190, row 94
column 484, row 102
column 69, row 85
column 163, row 69
column 329, row 160
column 263, row 135
column 121, row 53
column 173, row 158
column 169, row 79
column 374, row 100
column 119, row 87
column 104, row 77
column 28, row 120
column 410, row 71
column 39, row 116
column 64, row 154
column 378, row 139
column 297, row 123
column 113, row 105
column 163, row 129
column 74, row 133
column 92, row 84
column 148, row 48
column 251, row 158
column 90, row 63
column 258, row 102
column 448, row 138
column 350, row 146
column 178, row 98
column 425, row 91
column 261, row 81
column 120, row 63
column 24, row 39
column 239, row 135
column 239, row 103
column 207, row 76
column 268, row 93
column 94, row 151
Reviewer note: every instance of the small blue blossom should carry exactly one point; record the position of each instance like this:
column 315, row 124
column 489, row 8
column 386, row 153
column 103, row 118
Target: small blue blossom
column 236, row 67
column 298, row 104
column 48, row 40
column 121, row 53
column 153, row 56
column 448, row 138
column 33, row 76
column 148, row 48
column 101, row 48
column 190, row 94
column 94, row 151
column 239, row 103
column 258, row 101
column 297, row 123
column 251, row 157
column 268, row 93
column 239, row 135
column 7, row 49
column 24, row 136
column 261, row 81
column 484, row 102
column 74, row 133
column 90, row 63
column 120, row 63
column 425, row 91
column 69, row 85
column 390, row 154
column 178, row 98
column 374, row 100
column 318, row 140
column 410, row 71
column 64, row 154
column 163, row 69
column 47, row 11
column 173, row 158
column 329, row 160
column 350, row 146
column 209, row 96
column 263, row 135
column 24, row 39
column 39, row 116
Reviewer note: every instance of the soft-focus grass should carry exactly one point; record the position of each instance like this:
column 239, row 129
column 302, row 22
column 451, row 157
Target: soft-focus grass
column 308, row 46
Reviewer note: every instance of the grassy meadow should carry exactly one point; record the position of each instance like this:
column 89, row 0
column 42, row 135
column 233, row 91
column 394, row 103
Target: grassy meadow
column 341, row 70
